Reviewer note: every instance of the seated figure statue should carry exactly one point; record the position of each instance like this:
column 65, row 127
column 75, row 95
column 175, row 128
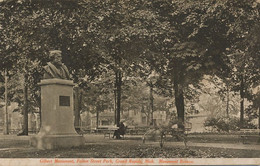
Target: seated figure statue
column 56, row 69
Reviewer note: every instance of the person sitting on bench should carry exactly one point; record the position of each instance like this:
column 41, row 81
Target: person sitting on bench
column 120, row 131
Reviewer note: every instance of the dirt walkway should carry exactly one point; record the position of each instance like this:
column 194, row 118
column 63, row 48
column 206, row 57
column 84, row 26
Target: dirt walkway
column 99, row 139
column 217, row 145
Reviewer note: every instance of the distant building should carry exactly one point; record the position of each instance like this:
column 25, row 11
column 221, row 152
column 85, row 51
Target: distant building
column 159, row 118
column 135, row 118
column 15, row 119
column 105, row 118
column 130, row 118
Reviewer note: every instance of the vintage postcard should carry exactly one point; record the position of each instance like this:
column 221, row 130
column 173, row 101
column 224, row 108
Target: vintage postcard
column 129, row 82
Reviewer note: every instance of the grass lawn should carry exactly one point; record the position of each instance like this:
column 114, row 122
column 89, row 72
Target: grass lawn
column 120, row 149
column 215, row 138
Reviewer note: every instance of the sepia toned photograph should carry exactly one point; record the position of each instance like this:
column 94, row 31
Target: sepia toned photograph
column 129, row 82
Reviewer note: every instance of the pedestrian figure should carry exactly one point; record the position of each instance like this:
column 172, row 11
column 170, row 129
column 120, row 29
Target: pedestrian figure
column 120, row 131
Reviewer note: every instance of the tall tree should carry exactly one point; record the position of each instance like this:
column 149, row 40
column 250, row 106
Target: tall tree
column 253, row 41
column 189, row 49
column 244, row 15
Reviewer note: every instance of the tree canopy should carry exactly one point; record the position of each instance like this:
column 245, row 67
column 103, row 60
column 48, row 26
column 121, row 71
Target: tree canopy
column 182, row 41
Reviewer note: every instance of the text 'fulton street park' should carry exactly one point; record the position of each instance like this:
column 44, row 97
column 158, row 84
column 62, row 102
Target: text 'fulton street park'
column 117, row 161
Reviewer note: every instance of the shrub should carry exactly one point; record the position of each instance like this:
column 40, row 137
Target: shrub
column 222, row 123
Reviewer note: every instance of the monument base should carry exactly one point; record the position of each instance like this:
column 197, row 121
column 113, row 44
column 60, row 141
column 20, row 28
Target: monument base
column 56, row 141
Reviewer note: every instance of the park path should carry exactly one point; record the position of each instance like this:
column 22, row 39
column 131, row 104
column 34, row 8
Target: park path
column 13, row 137
column 219, row 145
column 99, row 139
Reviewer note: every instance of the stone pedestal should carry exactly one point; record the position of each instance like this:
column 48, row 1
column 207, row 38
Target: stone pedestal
column 57, row 124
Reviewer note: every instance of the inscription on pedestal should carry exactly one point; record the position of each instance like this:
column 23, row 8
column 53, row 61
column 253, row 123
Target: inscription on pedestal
column 64, row 101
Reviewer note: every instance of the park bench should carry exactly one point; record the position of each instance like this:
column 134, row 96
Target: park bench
column 34, row 131
column 14, row 131
column 106, row 130
column 131, row 130
column 180, row 134
column 250, row 135
column 82, row 129
column 177, row 131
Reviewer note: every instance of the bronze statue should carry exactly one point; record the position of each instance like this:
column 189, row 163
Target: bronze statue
column 56, row 69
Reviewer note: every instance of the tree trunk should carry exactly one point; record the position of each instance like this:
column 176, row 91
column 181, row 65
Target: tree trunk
column 227, row 108
column 76, row 109
column 97, row 114
column 179, row 102
column 80, row 106
column 259, row 118
column 25, row 106
column 40, row 113
column 148, row 115
column 151, row 104
column 242, row 102
column 168, row 116
column 118, row 102
column 6, row 131
column 115, row 98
